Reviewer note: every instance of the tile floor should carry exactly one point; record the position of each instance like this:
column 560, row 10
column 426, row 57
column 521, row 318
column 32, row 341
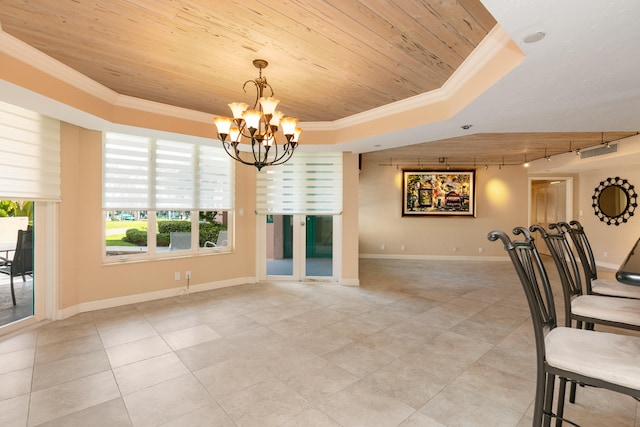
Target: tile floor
column 420, row 343
column 24, row 299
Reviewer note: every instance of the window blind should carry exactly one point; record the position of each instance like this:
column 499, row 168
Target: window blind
column 29, row 155
column 144, row 173
column 215, row 178
column 174, row 173
column 126, row 172
column 308, row 184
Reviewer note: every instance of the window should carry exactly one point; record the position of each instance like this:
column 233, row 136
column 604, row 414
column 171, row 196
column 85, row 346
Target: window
column 180, row 192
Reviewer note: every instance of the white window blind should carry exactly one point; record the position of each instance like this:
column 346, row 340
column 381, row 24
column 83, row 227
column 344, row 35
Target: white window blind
column 126, row 172
column 29, row 155
column 215, row 178
column 174, row 171
column 309, row 184
column 143, row 173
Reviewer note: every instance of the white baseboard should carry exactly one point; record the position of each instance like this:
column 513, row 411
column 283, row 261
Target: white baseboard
column 350, row 282
column 148, row 296
column 436, row 257
column 608, row 265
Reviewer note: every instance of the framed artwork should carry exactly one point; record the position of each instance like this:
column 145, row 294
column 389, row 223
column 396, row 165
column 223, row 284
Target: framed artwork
column 438, row 192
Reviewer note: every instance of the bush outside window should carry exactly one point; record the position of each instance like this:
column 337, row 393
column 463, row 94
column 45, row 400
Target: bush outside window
column 173, row 232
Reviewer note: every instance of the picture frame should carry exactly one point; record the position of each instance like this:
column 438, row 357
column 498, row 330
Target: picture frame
column 438, row 193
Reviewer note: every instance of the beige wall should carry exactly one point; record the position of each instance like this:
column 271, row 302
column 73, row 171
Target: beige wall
column 501, row 203
column 616, row 241
column 350, row 219
column 371, row 218
column 83, row 276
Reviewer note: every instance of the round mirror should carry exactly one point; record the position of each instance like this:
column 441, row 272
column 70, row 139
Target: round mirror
column 614, row 201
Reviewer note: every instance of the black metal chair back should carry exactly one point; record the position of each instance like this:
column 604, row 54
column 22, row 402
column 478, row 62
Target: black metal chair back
column 535, row 282
column 570, row 354
column 583, row 248
column 22, row 263
column 566, row 265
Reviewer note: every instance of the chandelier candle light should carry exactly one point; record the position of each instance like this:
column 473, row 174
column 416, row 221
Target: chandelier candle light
column 259, row 125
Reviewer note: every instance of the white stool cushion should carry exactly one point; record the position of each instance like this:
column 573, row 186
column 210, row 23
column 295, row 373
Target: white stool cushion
column 609, row 357
column 615, row 288
column 623, row 310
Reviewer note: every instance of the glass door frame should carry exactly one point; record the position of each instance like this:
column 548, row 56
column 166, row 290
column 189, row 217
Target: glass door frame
column 45, row 268
column 299, row 223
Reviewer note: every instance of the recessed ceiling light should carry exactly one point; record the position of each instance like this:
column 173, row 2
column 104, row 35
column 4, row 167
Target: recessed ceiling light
column 534, row 37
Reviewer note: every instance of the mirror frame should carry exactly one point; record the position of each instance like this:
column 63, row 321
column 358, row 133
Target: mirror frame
column 629, row 209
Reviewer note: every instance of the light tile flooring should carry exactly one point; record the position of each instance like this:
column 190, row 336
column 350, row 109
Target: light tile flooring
column 420, row 343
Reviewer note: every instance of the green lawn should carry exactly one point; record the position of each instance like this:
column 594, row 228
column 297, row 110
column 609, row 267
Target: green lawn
column 116, row 231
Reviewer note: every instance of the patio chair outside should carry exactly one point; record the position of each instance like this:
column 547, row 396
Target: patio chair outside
column 22, row 262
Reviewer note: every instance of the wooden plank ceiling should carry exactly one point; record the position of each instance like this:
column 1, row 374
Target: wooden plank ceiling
column 328, row 58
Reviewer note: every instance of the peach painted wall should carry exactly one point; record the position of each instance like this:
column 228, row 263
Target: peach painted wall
column 501, row 203
column 83, row 275
column 350, row 228
column 84, row 278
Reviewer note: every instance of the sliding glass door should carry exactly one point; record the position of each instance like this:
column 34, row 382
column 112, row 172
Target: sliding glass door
column 298, row 247
column 16, row 265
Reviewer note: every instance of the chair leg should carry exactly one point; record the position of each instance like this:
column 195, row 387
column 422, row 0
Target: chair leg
column 538, row 407
column 560, row 410
column 572, row 393
column 548, row 400
column 13, row 292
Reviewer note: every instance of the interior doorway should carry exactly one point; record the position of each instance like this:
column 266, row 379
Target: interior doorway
column 550, row 201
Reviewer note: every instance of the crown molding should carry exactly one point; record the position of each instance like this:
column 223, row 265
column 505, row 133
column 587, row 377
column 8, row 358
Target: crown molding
column 485, row 54
column 31, row 56
column 131, row 102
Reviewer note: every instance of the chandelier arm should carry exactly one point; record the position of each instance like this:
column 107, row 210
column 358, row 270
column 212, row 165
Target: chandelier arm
column 267, row 85
column 258, row 91
column 234, row 155
column 257, row 157
column 287, row 152
column 286, row 155
column 278, row 157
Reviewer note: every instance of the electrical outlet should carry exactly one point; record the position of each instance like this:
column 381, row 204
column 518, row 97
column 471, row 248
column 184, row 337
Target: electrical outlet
column 383, row 247
column 480, row 249
column 176, row 275
column 187, row 275
column 455, row 249
column 605, row 254
column 403, row 248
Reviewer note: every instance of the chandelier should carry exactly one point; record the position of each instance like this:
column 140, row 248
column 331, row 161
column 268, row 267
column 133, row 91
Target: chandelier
column 258, row 125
